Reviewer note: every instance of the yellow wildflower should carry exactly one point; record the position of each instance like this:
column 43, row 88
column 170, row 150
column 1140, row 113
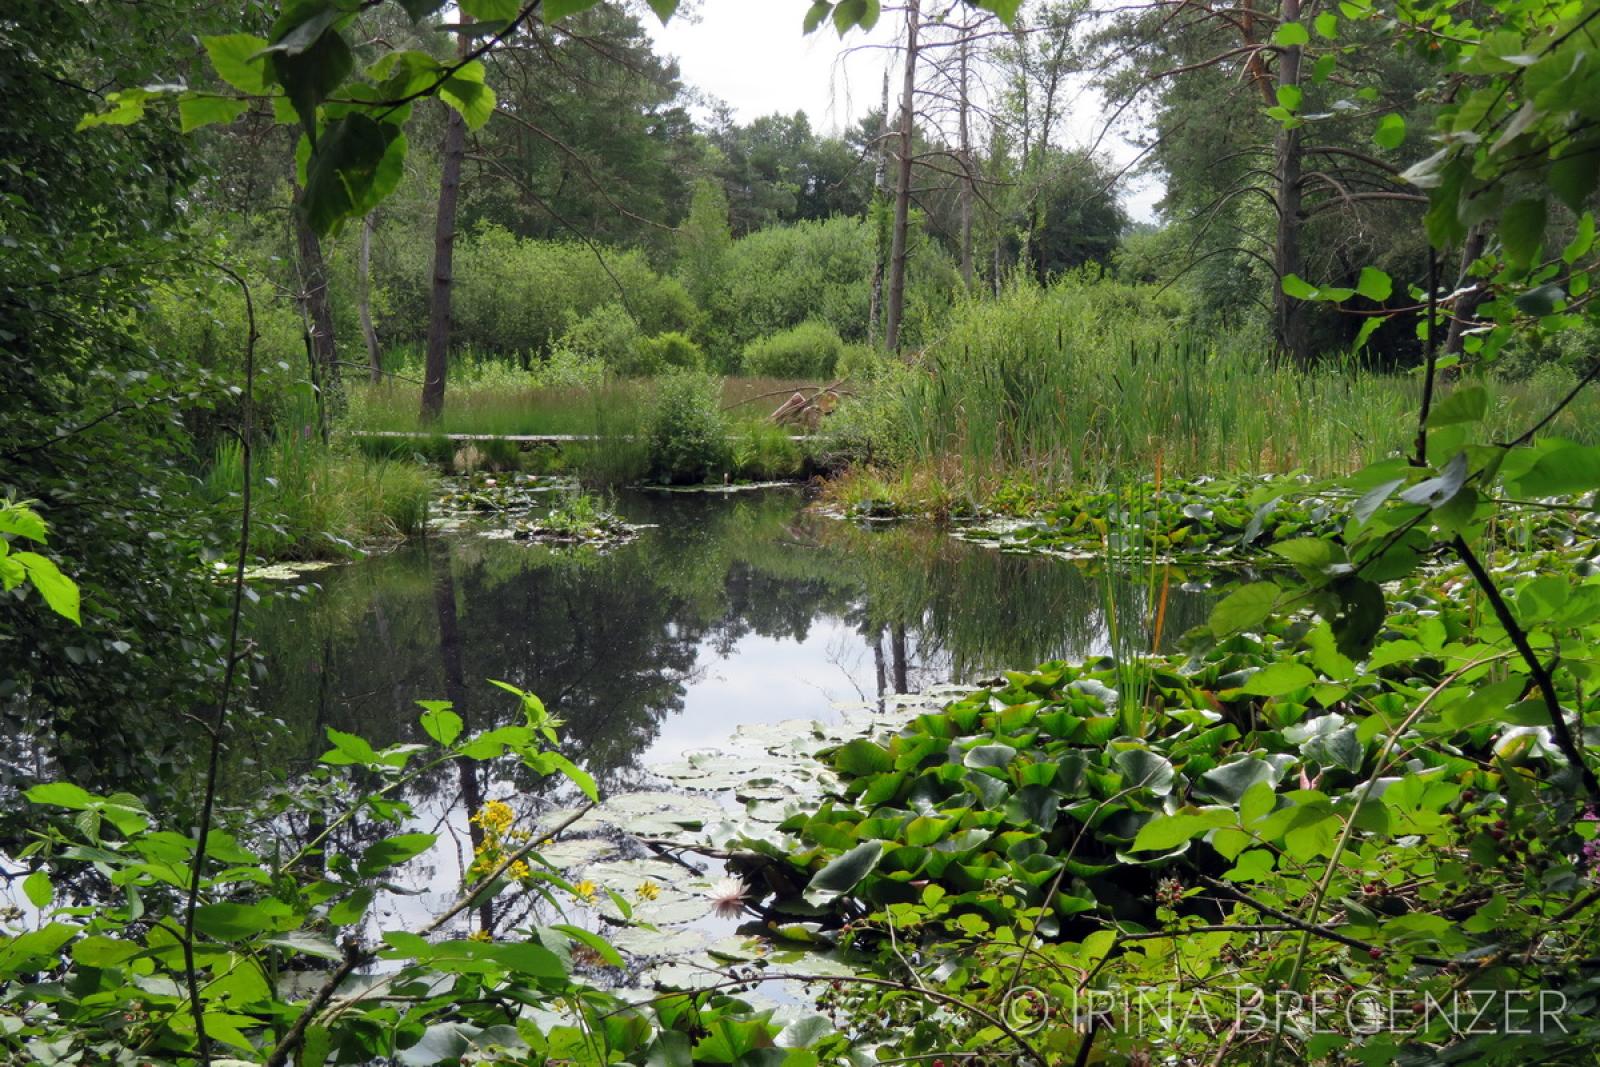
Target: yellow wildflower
column 586, row 890
column 479, row 935
column 648, row 890
column 520, row 870
column 495, row 816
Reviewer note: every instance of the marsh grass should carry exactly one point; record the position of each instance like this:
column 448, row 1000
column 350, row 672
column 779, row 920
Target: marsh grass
column 316, row 502
column 1086, row 382
column 500, row 399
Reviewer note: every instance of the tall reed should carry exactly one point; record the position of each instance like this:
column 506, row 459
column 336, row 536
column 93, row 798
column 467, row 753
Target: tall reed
column 1085, row 380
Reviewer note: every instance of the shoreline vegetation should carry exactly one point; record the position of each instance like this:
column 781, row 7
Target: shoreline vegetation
column 1310, row 462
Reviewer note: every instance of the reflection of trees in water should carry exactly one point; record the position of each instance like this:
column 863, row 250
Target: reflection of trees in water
column 611, row 642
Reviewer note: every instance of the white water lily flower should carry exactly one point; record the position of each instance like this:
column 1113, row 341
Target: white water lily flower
column 727, row 897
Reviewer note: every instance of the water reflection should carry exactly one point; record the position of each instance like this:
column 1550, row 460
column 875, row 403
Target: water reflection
column 729, row 610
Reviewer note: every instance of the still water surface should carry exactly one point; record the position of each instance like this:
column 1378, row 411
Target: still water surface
column 728, row 610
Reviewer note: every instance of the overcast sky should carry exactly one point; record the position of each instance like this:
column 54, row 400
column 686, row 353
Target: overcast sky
column 751, row 54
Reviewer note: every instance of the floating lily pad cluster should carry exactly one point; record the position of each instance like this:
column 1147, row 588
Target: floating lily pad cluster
column 497, row 493
column 1073, row 790
column 657, row 906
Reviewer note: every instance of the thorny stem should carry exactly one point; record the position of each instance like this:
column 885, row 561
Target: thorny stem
column 1536, row 667
column 1379, row 765
column 230, row 670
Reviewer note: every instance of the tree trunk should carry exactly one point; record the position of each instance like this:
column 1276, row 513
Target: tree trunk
column 318, row 309
column 1289, row 314
column 364, row 269
column 880, row 180
column 902, row 193
column 455, row 691
column 899, row 660
column 1466, row 305
column 444, row 248
column 966, row 165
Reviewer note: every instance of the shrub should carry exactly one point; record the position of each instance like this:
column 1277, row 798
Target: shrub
column 520, row 296
column 688, row 432
column 671, row 350
column 860, row 363
column 809, row 350
column 779, row 277
column 607, row 335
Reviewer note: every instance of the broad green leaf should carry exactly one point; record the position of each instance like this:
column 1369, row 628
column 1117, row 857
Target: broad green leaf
column 1233, row 779
column 1169, row 831
column 1466, row 403
column 1146, row 769
column 1375, row 285
column 58, row 591
column 1298, row 287
column 232, row 922
column 466, row 92
column 349, row 911
column 311, row 74
column 1566, row 469
column 20, row 521
column 37, row 888
column 238, row 60
column 62, row 795
column 1522, row 230
column 1433, row 492
column 1243, row 609
column 1327, row 25
column 392, row 851
column 861, row 757
column 815, row 16
column 1279, row 678
column 200, row 109
column 844, row 873
column 349, row 170
column 1291, row 35
column 440, row 722
column 1391, row 132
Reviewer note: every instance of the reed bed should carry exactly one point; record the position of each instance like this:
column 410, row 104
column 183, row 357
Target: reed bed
column 1090, row 383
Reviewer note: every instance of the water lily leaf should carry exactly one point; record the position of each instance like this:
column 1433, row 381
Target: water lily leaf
column 994, row 756
column 844, row 873
column 1146, row 769
column 1232, row 780
column 1277, row 679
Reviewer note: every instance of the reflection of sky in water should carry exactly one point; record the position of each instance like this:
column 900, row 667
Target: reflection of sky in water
column 725, row 613
column 767, row 680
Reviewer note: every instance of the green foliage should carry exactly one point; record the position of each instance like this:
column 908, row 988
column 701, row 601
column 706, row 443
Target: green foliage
column 518, row 297
column 688, row 432
column 671, row 351
column 21, row 565
column 1090, row 378
column 91, row 423
column 809, row 350
column 269, row 902
column 316, row 502
column 781, row 277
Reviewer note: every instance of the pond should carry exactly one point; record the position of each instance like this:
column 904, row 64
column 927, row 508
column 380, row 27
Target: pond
column 688, row 667
column 729, row 609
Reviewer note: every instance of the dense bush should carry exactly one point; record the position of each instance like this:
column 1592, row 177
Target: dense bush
column 780, row 277
column 809, row 350
column 519, row 296
column 688, row 431
column 670, row 351
column 607, row 335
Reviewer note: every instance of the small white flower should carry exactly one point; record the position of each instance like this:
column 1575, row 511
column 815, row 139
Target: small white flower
column 727, row 897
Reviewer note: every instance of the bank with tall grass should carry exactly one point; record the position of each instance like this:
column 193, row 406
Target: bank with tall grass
column 1092, row 381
